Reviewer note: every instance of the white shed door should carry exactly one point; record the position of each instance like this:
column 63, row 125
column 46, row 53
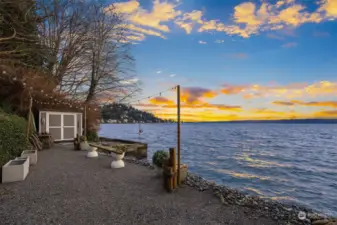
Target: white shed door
column 69, row 126
column 62, row 126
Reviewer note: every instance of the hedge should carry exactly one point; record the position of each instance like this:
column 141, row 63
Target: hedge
column 12, row 136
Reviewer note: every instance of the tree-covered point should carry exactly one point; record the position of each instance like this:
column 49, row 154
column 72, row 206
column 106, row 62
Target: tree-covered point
column 121, row 113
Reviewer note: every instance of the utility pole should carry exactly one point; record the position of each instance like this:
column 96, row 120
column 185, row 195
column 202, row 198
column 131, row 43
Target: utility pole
column 178, row 132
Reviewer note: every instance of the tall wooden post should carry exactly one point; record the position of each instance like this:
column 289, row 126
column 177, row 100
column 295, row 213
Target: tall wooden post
column 178, row 133
column 85, row 120
column 29, row 116
column 173, row 164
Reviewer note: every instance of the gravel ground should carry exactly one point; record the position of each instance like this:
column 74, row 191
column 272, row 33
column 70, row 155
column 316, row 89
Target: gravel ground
column 67, row 188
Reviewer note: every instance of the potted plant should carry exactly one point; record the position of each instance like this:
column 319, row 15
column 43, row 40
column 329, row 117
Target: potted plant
column 158, row 160
column 84, row 144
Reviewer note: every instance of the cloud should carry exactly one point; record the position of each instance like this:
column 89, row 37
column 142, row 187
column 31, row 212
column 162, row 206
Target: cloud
column 161, row 101
column 329, row 7
column 207, row 106
column 189, row 20
column 153, row 20
column 274, row 36
column 202, row 42
column 195, row 95
column 293, row 90
column 248, row 18
column 332, row 104
column 251, row 18
column 172, row 75
column 158, row 72
column 130, row 81
column 219, row 41
column 143, row 31
column 239, row 55
column 326, row 113
column 290, row 45
column 232, row 89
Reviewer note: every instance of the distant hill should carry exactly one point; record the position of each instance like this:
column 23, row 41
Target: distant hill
column 121, row 113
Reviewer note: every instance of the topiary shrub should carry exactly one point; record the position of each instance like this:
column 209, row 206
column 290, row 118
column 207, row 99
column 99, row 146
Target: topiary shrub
column 159, row 157
column 12, row 136
column 92, row 136
column 83, row 138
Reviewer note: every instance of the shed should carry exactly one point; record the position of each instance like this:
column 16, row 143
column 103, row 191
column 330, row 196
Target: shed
column 63, row 126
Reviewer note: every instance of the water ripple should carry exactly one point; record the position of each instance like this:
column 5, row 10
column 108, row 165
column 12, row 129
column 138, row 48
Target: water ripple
column 285, row 162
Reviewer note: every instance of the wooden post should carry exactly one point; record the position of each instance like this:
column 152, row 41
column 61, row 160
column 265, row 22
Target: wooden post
column 29, row 116
column 178, row 133
column 173, row 162
column 85, row 120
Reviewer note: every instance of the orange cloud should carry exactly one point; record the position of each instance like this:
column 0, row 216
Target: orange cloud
column 206, row 106
column 248, row 18
column 327, row 114
column 322, row 88
column 195, row 95
column 332, row 104
column 250, row 114
column 232, row 89
column 161, row 101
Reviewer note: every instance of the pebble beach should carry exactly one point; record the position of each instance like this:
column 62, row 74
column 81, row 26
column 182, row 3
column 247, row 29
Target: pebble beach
column 65, row 187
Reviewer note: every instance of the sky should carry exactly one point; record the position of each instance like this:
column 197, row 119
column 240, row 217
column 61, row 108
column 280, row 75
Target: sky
column 235, row 59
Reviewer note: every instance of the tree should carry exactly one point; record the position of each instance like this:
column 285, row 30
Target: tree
column 89, row 57
column 19, row 38
column 108, row 54
column 64, row 32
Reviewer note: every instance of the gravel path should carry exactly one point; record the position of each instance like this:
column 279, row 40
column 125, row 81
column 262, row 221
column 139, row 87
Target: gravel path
column 66, row 188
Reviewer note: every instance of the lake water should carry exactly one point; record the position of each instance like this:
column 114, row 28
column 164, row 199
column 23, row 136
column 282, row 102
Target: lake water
column 284, row 162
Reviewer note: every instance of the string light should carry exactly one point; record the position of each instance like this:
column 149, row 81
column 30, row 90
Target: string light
column 95, row 109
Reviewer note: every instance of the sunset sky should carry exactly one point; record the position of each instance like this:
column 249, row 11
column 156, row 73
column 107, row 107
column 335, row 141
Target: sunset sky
column 234, row 59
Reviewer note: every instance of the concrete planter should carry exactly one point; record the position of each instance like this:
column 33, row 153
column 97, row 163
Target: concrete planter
column 85, row 146
column 15, row 170
column 93, row 153
column 118, row 163
column 32, row 154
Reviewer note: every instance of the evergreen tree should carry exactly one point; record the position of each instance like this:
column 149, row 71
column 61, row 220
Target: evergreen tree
column 19, row 38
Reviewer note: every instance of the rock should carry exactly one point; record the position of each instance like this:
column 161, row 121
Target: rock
column 316, row 216
column 320, row 222
column 332, row 223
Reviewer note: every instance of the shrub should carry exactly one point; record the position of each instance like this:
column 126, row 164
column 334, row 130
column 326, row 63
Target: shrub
column 159, row 157
column 83, row 138
column 92, row 136
column 12, row 136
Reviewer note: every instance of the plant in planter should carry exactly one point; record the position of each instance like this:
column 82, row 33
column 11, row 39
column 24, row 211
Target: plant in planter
column 158, row 160
column 84, row 144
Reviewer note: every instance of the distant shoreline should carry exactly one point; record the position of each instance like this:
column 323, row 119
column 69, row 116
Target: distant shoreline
column 286, row 121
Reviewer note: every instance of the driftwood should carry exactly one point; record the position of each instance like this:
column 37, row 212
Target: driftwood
column 34, row 140
column 107, row 149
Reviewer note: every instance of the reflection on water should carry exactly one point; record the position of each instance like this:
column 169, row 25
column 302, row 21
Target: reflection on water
column 284, row 162
column 241, row 175
column 258, row 162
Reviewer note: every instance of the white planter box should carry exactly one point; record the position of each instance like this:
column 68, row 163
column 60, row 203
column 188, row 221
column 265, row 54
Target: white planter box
column 32, row 154
column 15, row 170
column 85, row 146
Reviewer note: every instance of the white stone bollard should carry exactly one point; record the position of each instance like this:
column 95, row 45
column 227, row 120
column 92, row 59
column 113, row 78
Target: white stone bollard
column 118, row 163
column 93, row 153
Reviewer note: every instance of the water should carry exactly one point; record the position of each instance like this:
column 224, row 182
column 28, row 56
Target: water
column 294, row 163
